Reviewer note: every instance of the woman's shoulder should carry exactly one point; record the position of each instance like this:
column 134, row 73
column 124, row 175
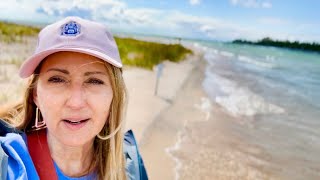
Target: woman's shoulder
column 6, row 128
column 15, row 160
column 135, row 168
column 11, row 138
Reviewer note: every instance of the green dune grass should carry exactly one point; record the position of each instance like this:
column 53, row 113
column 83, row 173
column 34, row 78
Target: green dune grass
column 147, row 54
column 133, row 52
column 10, row 32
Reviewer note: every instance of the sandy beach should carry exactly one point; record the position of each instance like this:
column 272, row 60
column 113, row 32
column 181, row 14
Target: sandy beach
column 162, row 122
column 216, row 90
column 144, row 108
column 166, row 126
column 158, row 120
column 181, row 132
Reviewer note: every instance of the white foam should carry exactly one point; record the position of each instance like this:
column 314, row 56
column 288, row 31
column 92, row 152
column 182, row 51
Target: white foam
column 196, row 45
column 239, row 100
column 244, row 102
column 175, row 148
column 226, row 53
column 215, row 51
column 209, row 57
column 255, row 62
column 199, row 46
column 205, row 106
column 270, row 58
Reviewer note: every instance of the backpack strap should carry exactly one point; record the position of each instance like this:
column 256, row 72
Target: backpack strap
column 135, row 168
column 40, row 154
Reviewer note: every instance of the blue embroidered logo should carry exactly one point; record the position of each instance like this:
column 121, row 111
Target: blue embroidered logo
column 70, row 29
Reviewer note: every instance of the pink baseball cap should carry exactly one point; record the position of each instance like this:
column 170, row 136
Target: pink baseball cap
column 77, row 35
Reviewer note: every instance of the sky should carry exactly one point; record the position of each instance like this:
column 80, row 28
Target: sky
column 222, row 20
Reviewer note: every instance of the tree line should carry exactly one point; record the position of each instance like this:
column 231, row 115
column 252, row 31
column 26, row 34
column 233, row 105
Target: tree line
column 283, row 44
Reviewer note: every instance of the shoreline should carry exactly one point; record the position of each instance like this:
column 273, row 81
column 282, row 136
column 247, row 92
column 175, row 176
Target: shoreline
column 192, row 135
column 182, row 134
column 161, row 135
column 143, row 105
column 144, row 108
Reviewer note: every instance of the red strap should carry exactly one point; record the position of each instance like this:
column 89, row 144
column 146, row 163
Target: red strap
column 40, row 154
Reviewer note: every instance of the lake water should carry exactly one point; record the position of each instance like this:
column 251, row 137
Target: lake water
column 272, row 99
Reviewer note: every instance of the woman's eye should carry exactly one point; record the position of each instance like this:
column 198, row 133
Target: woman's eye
column 56, row 80
column 95, row 81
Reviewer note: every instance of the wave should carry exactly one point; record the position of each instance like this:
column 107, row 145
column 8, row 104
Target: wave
column 255, row 62
column 238, row 101
column 226, row 53
column 212, row 54
column 175, row 148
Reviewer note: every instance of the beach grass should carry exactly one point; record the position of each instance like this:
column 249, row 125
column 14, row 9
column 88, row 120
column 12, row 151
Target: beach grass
column 147, row 54
column 10, row 32
column 132, row 52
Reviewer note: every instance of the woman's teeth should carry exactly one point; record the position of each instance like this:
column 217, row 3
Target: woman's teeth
column 75, row 122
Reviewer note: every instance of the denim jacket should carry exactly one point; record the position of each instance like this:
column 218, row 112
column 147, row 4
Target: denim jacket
column 16, row 162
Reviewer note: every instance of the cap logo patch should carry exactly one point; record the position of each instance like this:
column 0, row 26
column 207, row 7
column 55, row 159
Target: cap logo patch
column 70, row 29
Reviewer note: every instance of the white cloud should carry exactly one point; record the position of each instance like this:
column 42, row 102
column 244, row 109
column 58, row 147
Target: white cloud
column 81, row 8
column 194, row 2
column 117, row 15
column 251, row 3
column 209, row 27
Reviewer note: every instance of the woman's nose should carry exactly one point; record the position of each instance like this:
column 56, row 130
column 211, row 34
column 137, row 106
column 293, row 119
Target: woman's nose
column 76, row 97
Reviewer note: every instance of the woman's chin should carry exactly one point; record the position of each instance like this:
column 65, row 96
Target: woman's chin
column 75, row 138
column 77, row 141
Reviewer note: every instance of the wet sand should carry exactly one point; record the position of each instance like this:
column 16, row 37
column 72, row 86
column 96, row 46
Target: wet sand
column 162, row 135
column 146, row 110
column 193, row 139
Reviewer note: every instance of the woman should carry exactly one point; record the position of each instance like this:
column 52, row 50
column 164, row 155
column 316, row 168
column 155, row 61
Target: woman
column 70, row 123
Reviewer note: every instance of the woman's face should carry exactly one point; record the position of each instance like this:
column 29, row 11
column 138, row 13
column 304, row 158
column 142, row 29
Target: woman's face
column 74, row 95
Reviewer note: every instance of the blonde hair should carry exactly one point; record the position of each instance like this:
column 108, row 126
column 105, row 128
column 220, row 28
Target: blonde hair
column 108, row 156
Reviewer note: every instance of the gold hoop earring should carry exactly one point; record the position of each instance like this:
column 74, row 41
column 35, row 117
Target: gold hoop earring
column 110, row 135
column 38, row 124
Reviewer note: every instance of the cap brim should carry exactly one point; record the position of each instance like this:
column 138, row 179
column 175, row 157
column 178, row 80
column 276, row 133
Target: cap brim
column 28, row 67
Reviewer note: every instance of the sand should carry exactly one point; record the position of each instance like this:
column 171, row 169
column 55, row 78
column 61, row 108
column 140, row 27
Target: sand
column 157, row 119
column 180, row 132
column 144, row 106
column 166, row 126
column 11, row 56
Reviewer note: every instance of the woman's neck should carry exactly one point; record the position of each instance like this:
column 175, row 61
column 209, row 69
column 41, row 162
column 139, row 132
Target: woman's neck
column 72, row 161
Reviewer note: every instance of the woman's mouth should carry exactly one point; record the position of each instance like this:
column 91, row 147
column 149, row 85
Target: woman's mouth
column 75, row 124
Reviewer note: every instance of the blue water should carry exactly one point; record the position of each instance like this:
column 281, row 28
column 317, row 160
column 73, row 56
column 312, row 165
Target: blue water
column 277, row 91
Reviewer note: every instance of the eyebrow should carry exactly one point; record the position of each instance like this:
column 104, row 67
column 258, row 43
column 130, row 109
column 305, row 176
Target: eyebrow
column 94, row 72
column 59, row 70
column 67, row 72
